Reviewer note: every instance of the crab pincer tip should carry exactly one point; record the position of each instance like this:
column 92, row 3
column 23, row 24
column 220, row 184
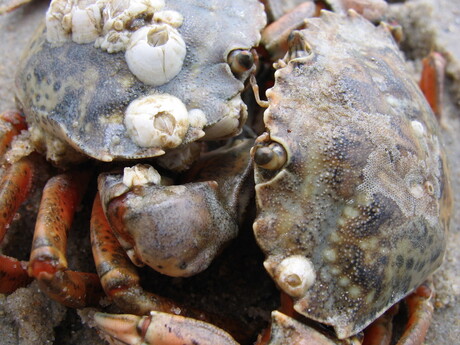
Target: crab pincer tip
column 121, row 327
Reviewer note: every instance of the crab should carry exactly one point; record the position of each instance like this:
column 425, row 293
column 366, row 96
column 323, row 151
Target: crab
column 351, row 182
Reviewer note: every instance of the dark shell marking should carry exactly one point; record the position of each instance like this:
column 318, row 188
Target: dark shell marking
column 364, row 194
column 79, row 93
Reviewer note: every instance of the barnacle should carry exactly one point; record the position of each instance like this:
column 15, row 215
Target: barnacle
column 158, row 120
column 294, row 274
column 155, row 54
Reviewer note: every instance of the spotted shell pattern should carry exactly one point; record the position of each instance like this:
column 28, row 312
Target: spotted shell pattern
column 364, row 194
column 77, row 93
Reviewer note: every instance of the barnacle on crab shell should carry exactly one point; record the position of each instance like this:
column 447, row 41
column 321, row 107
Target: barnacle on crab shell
column 155, row 54
column 160, row 120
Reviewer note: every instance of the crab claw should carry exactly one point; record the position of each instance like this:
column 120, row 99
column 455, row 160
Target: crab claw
column 176, row 230
column 160, row 329
column 285, row 329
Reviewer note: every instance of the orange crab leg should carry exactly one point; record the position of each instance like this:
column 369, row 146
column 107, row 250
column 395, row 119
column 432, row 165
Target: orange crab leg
column 14, row 188
column 421, row 309
column 432, row 81
column 48, row 263
column 380, row 331
column 420, row 313
column 275, row 36
column 13, row 274
column 17, row 180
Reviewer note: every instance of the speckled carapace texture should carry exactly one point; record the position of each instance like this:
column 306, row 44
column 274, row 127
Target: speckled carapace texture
column 29, row 317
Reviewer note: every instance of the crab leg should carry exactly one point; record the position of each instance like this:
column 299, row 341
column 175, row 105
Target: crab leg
column 14, row 187
column 17, row 180
column 380, row 331
column 432, row 81
column 13, row 274
column 48, row 263
column 161, row 329
column 420, row 313
column 421, row 310
column 275, row 36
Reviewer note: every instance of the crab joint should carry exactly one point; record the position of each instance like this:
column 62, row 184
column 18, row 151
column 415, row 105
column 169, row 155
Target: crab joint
column 294, row 274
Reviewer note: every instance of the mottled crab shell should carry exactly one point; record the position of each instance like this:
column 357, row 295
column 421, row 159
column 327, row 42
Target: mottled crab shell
column 78, row 93
column 357, row 216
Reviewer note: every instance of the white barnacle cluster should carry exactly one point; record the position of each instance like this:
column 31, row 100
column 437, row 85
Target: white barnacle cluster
column 154, row 49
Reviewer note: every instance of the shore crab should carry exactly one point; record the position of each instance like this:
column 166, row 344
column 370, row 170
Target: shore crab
column 353, row 204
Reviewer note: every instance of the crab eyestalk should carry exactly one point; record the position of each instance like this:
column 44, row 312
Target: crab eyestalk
column 271, row 157
column 240, row 62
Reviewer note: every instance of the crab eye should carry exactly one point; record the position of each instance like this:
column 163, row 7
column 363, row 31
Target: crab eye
column 271, row 157
column 240, row 61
